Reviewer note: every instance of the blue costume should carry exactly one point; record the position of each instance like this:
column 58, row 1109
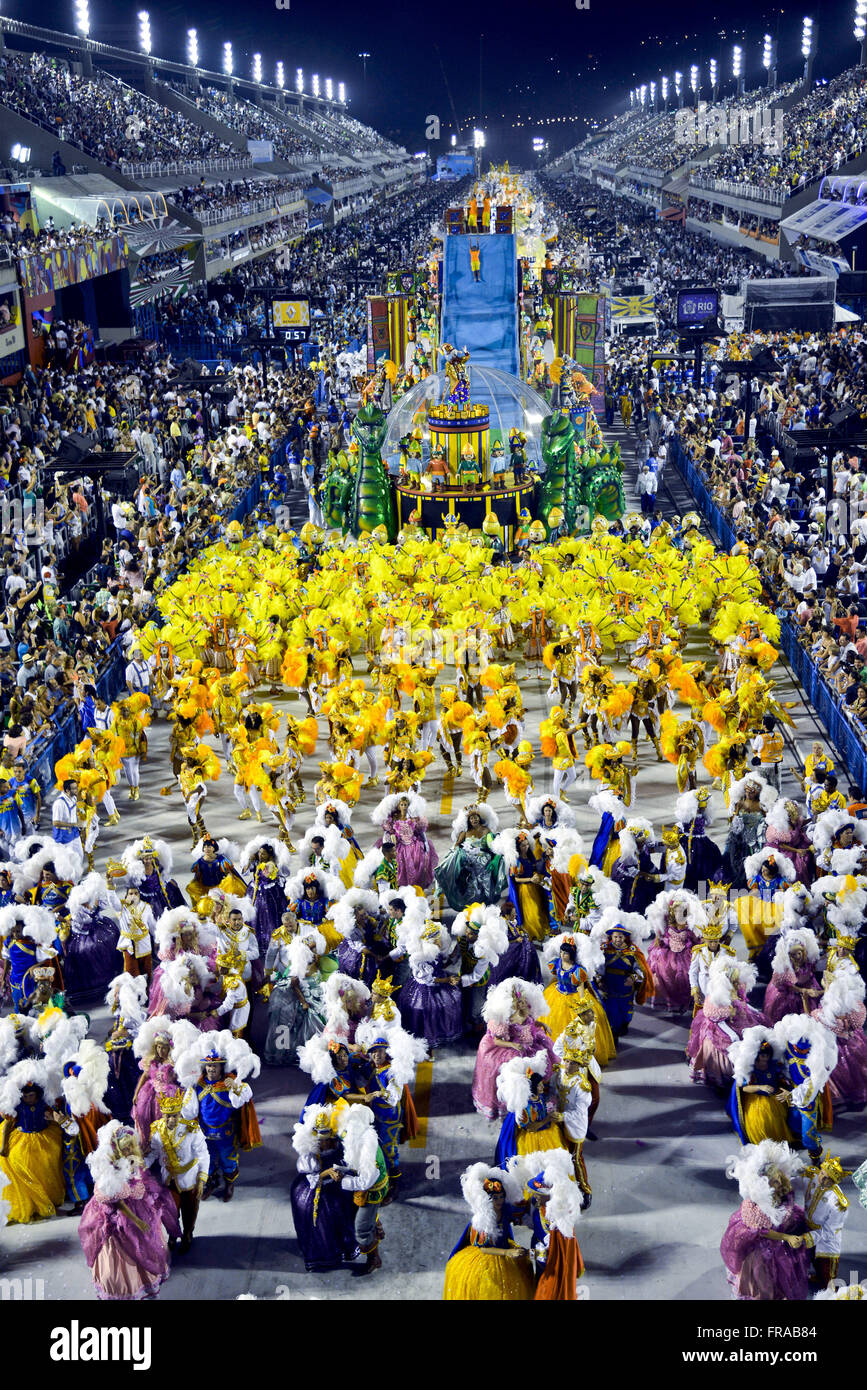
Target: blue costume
column 25, row 790
column 11, row 823
column 618, row 987
column 76, row 1174
column 803, row 1119
column 218, row 1121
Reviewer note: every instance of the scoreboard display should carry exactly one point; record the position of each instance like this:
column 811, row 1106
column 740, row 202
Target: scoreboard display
column 695, row 308
column 291, row 318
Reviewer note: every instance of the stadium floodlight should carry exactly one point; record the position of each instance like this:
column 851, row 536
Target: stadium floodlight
column 257, row 67
column 693, row 78
column 341, row 93
column 192, row 48
column 454, row 141
column 807, row 38
column 20, row 154
column 678, row 82
column 329, row 89
column 279, row 76
column 228, row 64
column 653, row 94
column 82, row 17
column 478, row 139
column 299, row 79
column 144, row 31
column 642, row 93
column 768, row 51
column 663, row 84
column 860, row 30
column 316, row 84
column 712, row 70
column 538, row 143
column 737, row 60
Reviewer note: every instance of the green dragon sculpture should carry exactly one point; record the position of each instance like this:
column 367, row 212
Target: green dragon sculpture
column 558, row 455
column 373, row 501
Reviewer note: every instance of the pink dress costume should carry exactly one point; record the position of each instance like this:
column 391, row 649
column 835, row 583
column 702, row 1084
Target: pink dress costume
column 669, row 960
column 125, row 1262
column 531, row 1037
column 714, row 1028
column 416, row 856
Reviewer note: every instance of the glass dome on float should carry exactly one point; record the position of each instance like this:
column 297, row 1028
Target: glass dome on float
column 511, row 403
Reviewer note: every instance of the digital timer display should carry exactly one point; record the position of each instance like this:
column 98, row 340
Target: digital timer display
column 696, row 307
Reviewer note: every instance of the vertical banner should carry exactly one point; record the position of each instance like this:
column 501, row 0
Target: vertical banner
column 398, row 327
column 564, row 321
column 377, row 330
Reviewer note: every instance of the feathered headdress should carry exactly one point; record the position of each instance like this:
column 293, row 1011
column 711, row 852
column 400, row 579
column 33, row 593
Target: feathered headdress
column 90, row 893
column 565, row 816
column 633, row 924
column 181, row 978
column 478, row 1184
column 314, row 1120
column 32, row 1072
column 127, row 996
column 180, row 1033
column 816, row 1045
column 828, row 825
column 111, row 1173
column 170, row 925
column 33, row 853
column 39, row 923
column 778, row 816
column 743, row 1053
column 360, row 1142
column 783, row 865
column 725, row 977
column 85, row 1087
column 404, row 1050
column 502, row 998
column 605, row 803
column 343, row 912
column 418, row 807
column 689, row 804
column 751, row 1169
column 282, row 857
column 798, row 936
column 330, row 885
column 237, row 1055
column 657, row 912
column 552, row 1173
column 335, row 848
column 514, row 1079
column 340, row 809
column 339, row 991
column 844, row 996
column 487, row 814
column 587, row 950
column 767, row 794
column 133, row 854
column 635, row 826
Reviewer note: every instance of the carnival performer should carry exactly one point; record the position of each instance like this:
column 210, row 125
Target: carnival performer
column 213, row 867
column 472, row 871
column 553, row 826
column 528, row 1126
column 575, row 961
column 555, row 1208
column 766, row 1245
column 363, row 1172
column 83, row 1110
column 639, row 878
column 750, row 799
column 323, row 1212
column 90, row 950
column 28, row 935
column 481, row 932
column 722, row 1020
column 794, row 985
column 148, row 864
column 137, row 929
column 267, row 864
column 487, row 1265
column 786, row 834
column 694, row 815
column 624, row 978
column 31, row 1144
column 158, row 1041
column 841, row 1010
column 826, row 1209
column 809, row 1053
column 512, row 1012
column 758, row 1106
column 178, row 1145
column 130, row 723
column 405, row 818
column 126, row 1226
column 430, row 1001
column 676, row 918
column 214, row 1072
column 393, row 1055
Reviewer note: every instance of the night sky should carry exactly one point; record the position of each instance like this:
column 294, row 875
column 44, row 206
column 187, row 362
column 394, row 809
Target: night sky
column 540, row 62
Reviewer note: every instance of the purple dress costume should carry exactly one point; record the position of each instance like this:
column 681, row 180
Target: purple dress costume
column 669, row 960
column 714, row 1028
column 90, row 956
column 782, row 998
column 847, row 1083
column 323, row 1216
column 531, row 1037
column 520, row 960
column 269, row 901
column 416, row 856
column 430, row 1010
column 766, row 1270
column 160, row 894
column 126, row 1262
column 801, row 857
column 146, row 1109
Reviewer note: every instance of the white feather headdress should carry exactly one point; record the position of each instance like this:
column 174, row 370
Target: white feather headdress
column 821, row 1058
column 181, row 978
column 487, row 815
column 506, row 844
column 341, row 810
column 844, row 995
column 418, row 807
column 366, row 867
column 566, row 844
column 767, row 794
column 67, row 863
column 180, row 1033
column 90, row 893
column 743, row 1053
column 134, row 869
column 687, row 807
column 343, row 911
column 127, row 996
column 555, row 1169
column 605, row 803
column 798, row 907
column 37, row 1073
column 39, row 923
column 329, row 883
column 112, row 1174
column 16, row 1030
column 502, row 998
column 798, row 936
column 335, row 848
column 360, row 1143
column 514, row 1077
column 87, row 1089
column 657, row 912
column 588, row 951
column 229, row 848
column 304, row 1138
column 750, row 1169
column 778, row 816
column 237, row 1055
column 784, row 866
column 492, row 940
column 281, row 855
column 170, row 925
column 338, row 992
column 726, row 976
column 565, row 814
column 830, row 823
column 473, row 1179
column 634, row 924
column 634, row 826
column 405, row 1050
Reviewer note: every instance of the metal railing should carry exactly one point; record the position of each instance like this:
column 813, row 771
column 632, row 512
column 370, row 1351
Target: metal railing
column 753, row 192
column 158, row 169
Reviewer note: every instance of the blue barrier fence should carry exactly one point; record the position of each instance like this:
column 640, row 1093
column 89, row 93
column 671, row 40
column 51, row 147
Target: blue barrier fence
column 843, row 732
